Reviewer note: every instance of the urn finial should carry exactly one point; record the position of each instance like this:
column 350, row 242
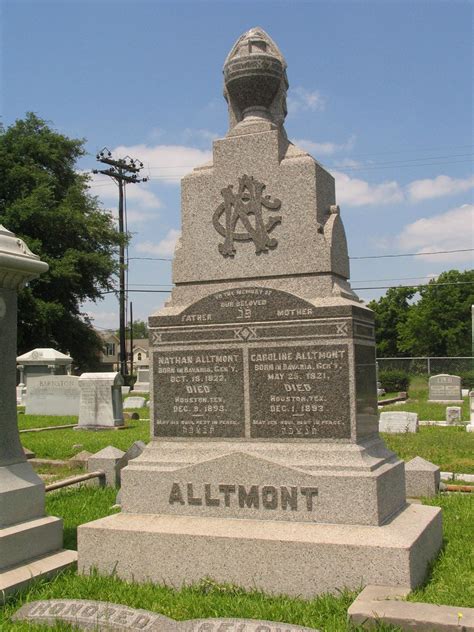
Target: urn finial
column 255, row 81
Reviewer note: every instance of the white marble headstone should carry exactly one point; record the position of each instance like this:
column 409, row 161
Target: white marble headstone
column 395, row 422
column 53, row 395
column 101, row 400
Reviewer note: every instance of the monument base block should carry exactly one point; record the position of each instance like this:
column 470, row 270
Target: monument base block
column 17, row 577
column 298, row 559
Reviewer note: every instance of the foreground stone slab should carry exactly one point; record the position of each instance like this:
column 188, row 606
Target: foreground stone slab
column 103, row 616
column 312, row 558
column 377, row 604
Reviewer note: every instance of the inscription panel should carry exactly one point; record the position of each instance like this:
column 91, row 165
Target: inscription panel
column 199, row 393
column 299, row 392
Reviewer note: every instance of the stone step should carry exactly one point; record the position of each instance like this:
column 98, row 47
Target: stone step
column 30, row 539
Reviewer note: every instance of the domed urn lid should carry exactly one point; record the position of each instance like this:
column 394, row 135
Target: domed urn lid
column 255, row 78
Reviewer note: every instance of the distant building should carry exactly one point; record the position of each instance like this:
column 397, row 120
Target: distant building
column 110, row 355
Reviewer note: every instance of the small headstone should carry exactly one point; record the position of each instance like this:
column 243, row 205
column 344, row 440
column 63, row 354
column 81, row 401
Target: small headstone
column 394, row 422
column 464, row 392
column 133, row 451
column 125, row 390
column 470, row 426
column 422, row 478
column 52, row 395
column 453, row 414
column 106, row 460
column 20, row 394
column 101, row 401
column 445, row 388
column 134, row 402
column 86, row 614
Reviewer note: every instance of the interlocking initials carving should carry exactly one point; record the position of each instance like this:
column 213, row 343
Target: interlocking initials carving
column 249, row 200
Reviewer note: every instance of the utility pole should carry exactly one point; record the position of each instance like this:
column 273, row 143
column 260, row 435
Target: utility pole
column 122, row 171
column 131, row 338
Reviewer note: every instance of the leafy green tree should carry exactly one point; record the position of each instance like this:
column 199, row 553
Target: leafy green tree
column 439, row 324
column 391, row 311
column 46, row 202
column 140, row 330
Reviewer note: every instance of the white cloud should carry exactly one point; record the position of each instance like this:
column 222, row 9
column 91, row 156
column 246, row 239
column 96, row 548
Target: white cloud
column 299, row 99
column 356, row 192
column 199, row 134
column 165, row 163
column 326, row 148
column 437, row 187
column 142, row 202
column 103, row 319
column 451, row 230
column 164, row 248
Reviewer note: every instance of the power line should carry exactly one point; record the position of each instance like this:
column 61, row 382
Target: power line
column 415, row 254
column 408, row 254
column 385, row 287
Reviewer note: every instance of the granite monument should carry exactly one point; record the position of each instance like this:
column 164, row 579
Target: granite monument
column 30, row 542
column 264, row 416
column 445, row 388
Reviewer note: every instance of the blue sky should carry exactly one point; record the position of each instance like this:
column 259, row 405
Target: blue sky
column 380, row 94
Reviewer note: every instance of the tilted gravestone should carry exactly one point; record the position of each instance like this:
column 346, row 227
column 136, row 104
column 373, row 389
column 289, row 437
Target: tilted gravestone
column 101, row 401
column 263, row 381
column 53, row 395
column 26, row 534
column 444, row 388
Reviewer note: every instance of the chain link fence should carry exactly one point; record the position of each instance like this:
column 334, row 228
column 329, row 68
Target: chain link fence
column 427, row 366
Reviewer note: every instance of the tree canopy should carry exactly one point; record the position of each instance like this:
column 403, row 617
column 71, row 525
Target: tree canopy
column 140, row 330
column 434, row 320
column 47, row 202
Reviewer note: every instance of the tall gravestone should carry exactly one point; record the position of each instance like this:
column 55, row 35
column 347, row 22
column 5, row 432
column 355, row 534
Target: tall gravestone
column 265, row 467
column 30, row 542
column 101, row 406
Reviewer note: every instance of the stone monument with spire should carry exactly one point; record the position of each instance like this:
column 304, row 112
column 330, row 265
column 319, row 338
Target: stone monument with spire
column 265, row 468
column 30, row 542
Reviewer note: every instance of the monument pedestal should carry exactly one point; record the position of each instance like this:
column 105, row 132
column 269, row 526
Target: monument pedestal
column 277, row 557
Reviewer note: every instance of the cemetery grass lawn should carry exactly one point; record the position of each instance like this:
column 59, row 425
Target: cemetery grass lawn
column 25, row 422
column 451, row 581
column 418, row 403
column 58, row 444
column 452, row 448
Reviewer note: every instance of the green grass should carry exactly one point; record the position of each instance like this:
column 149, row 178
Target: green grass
column 43, row 421
column 451, row 580
column 58, row 444
column 418, row 403
column 452, row 448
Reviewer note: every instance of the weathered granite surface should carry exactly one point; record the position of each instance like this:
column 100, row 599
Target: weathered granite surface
column 444, row 388
column 263, row 383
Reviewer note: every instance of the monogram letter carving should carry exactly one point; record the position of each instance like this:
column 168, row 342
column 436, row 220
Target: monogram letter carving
column 248, row 201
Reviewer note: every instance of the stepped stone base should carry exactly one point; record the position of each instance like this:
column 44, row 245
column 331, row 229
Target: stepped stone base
column 299, row 559
column 17, row 577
